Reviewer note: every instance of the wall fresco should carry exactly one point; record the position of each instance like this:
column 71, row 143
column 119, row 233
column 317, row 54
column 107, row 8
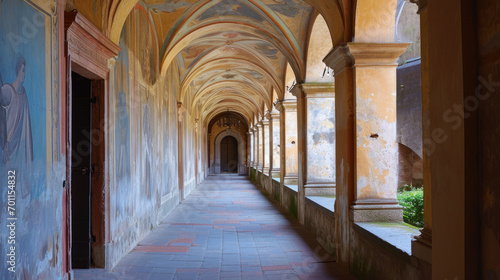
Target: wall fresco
column 27, row 116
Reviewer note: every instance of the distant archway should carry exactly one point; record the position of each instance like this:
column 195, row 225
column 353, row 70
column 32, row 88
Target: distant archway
column 241, row 151
column 229, row 155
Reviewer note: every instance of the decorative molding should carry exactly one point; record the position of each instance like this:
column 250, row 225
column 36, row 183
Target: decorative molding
column 290, row 105
column 88, row 48
column 297, row 91
column 279, row 106
column 364, row 55
column 268, row 115
column 326, row 90
column 339, row 59
column 376, row 54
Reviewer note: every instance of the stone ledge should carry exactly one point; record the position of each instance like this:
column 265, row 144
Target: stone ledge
column 327, row 204
column 394, row 236
column 294, row 188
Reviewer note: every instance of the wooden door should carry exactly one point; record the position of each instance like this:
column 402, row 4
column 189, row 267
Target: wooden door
column 229, row 154
column 81, row 125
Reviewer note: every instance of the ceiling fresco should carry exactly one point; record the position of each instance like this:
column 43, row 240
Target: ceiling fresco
column 231, row 54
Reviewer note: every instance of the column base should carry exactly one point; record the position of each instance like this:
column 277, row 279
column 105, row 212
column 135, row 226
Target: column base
column 376, row 210
column 319, row 189
column 265, row 170
column 421, row 246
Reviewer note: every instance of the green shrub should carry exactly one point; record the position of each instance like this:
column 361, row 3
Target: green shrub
column 412, row 200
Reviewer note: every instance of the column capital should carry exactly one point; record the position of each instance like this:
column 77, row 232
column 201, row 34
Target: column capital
column 258, row 125
column 274, row 114
column 339, row 59
column 289, row 105
column 265, row 122
column 268, row 115
column 298, row 91
column 376, row 54
column 326, row 90
column 279, row 106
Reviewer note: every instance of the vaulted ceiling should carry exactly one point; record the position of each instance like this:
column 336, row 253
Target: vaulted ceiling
column 232, row 54
column 229, row 54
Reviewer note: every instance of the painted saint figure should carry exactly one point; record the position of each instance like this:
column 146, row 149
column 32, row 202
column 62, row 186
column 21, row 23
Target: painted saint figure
column 18, row 146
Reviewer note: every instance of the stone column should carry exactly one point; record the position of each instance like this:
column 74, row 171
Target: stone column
column 340, row 60
column 274, row 126
column 266, row 145
column 289, row 152
column 374, row 116
column 280, row 108
column 180, row 149
column 421, row 246
column 316, row 103
column 260, row 146
column 254, row 148
column 376, row 151
column 250, row 149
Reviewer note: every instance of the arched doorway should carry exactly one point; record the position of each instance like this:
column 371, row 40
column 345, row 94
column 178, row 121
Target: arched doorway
column 229, row 154
column 239, row 162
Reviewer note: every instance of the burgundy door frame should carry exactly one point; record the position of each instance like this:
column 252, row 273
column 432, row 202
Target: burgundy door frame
column 87, row 52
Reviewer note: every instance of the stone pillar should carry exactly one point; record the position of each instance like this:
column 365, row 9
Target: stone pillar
column 421, row 246
column 260, row 146
column 374, row 117
column 376, row 151
column 266, row 145
column 250, row 149
column 180, row 149
column 254, row 148
column 288, row 118
column 280, row 108
column 340, row 60
column 274, row 126
column 316, row 103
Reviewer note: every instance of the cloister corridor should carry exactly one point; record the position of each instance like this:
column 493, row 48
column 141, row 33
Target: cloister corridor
column 225, row 229
column 246, row 139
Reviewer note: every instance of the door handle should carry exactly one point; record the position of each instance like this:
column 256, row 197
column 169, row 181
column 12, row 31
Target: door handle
column 83, row 170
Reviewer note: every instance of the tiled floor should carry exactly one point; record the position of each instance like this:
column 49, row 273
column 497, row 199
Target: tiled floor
column 226, row 229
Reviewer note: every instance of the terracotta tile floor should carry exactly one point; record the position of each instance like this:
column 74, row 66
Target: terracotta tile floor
column 226, row 229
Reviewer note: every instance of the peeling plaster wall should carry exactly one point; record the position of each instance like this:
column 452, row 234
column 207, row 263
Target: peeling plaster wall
column 292, row 165
column 375, row 114
column 143, row 123
column 31, row 30
column 321, row 140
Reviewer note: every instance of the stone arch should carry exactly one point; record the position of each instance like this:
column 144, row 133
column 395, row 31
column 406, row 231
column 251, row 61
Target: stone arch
column 319, row 44
column 241, row 151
